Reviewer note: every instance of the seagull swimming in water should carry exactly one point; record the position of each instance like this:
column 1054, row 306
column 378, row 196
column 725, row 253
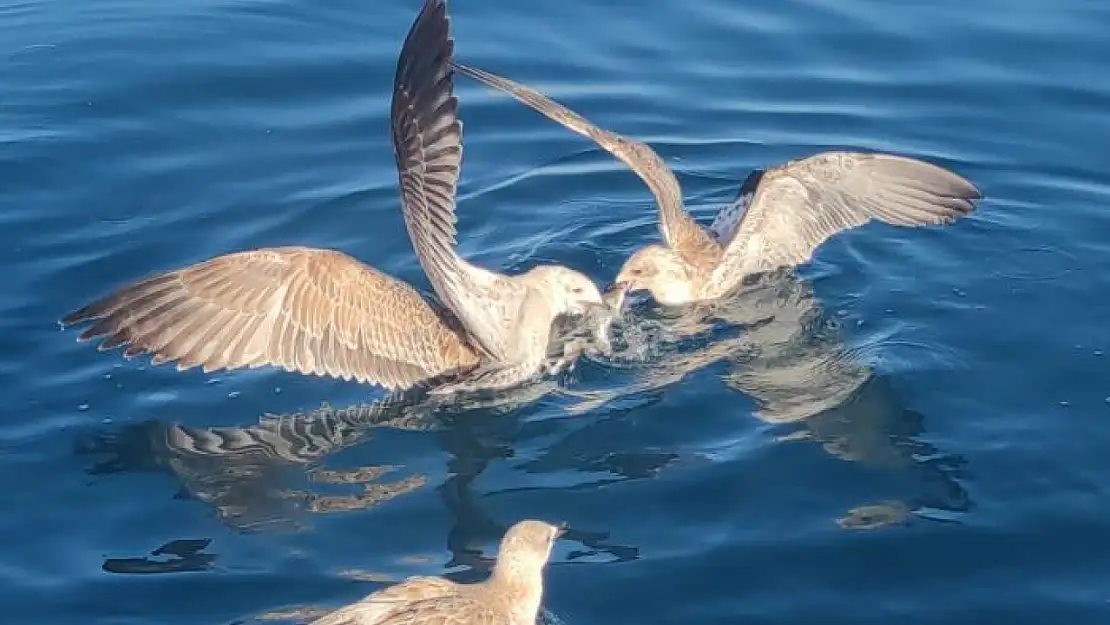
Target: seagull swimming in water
column 780, row 218
column 322, row 312
column 511, row 595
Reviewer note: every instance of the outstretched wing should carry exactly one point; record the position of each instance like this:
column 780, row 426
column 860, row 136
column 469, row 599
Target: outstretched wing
column 679, row 230
column 427, row 143
column 309, row 310
column 799, row 205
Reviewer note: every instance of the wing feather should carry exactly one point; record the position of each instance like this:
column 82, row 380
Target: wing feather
column 679, row 230
column 313, row 311
column 427, row 142
column 394, row 602
column 798, row 206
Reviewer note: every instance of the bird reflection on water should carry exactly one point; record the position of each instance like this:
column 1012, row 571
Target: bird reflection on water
column 772, row 343
column 781, row 350
column 243, row 472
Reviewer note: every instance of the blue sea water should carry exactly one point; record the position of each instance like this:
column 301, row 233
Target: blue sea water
column 915, row 431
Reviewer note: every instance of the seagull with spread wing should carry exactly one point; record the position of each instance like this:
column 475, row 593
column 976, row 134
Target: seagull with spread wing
column 782, row 215
column 321, row 312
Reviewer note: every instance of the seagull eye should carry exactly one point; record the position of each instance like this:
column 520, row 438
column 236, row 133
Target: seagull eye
column 576, row 290
column 636, row 272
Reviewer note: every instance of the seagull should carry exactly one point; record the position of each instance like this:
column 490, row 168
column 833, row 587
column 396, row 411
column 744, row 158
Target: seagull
column 511, row 595
column 780, row 217
column 322, row 312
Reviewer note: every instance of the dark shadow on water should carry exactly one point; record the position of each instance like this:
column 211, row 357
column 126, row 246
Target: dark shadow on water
column 177, row 556
column 244, row 473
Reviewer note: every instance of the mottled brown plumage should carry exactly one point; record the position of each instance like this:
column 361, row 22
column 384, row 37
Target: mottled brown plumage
column 307, row 310
column 318, row 311
column 793, row 209
column 510, row 596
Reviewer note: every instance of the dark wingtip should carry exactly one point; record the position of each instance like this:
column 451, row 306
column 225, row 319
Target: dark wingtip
column 432, row 26
column 81, row 315
column 751, row 183
column 974, row 193
column 959, row 186
column 964, row 191
column 74, row 317
column 954, row 195
column 424, row 79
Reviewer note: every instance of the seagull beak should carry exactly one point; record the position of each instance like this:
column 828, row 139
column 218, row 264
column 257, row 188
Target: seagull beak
column 560, row 530
column 616, row 295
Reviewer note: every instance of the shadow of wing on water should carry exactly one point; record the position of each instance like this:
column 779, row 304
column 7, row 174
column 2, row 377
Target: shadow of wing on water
column 243, row 473
column 785, row 353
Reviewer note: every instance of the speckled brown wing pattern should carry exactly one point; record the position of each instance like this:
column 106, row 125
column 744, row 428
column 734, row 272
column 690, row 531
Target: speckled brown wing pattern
column 308, row 310
column 462, row 609
column 383, row 604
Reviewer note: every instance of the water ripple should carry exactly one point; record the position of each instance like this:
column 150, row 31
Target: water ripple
column 917, row 413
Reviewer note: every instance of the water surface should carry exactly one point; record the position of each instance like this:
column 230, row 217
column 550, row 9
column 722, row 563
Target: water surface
column 915, row 430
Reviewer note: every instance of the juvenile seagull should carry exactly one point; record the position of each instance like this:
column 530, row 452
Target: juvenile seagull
column 511, row 595
column 321, row 312
column 781, row 216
